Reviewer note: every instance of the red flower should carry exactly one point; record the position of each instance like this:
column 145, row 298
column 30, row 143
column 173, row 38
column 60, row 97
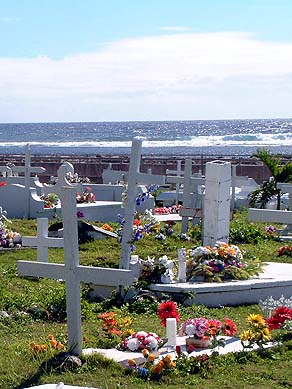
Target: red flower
column 137, row 222
column 166, row 310
column 229, row 327
column 279, row 317
column 3, row 183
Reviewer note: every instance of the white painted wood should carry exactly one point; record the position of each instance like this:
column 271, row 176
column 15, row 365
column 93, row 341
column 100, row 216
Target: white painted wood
column 134, row 178
column 42, row 241
column 269, row 215
column 178, row 172
column 71, row 272
column 286, row 188
column 217, row 202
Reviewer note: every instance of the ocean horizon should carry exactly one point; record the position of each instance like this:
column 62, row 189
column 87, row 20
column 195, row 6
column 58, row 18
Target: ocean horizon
column 186, row 137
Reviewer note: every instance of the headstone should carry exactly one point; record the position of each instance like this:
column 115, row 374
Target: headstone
column 217, row 203
column 72, row 272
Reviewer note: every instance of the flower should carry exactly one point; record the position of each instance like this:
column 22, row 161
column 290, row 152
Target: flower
column 202, row 327
column 257, row 334
column 256, row 320
column 168, row 309
column 139, row 341
column 278, row 318
column 218, row 262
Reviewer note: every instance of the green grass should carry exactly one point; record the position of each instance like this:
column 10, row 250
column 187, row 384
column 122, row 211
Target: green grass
column 21, row 367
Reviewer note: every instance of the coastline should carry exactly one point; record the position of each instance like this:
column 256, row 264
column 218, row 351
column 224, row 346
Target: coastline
column 92, row 166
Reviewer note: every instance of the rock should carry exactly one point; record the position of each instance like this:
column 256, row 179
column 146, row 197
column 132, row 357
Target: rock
column 4, row 314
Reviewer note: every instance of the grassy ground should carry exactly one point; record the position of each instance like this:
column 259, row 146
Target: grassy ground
column 21, row 367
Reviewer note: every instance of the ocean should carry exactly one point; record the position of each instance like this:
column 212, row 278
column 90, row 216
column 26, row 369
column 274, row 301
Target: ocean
column 197, row 137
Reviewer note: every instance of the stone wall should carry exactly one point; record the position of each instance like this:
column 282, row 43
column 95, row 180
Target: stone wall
column 93, row 166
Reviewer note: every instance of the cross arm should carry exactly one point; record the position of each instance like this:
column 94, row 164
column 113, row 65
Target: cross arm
column 41, row 269
column 42, row 241
column 146, row 179
column 105, row 276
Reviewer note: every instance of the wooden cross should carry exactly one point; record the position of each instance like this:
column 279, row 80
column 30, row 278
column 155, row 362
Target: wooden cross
column 178, row 172
column 42, row 241
column 190, row 187
column 72, row 272
column 27, row 169
column 134, row 178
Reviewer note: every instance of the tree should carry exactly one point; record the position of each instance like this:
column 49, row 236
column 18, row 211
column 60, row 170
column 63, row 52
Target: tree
column 279, row 173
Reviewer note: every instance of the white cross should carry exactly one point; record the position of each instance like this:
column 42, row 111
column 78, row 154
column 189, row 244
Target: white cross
column 42, row 241
column 72, row 272
column 178, row 172
column 134, row 178
column 190, row 188
column 27, row 169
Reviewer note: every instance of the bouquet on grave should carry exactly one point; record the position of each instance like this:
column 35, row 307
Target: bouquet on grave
column 86, row 197
column 141, row 340
column 223, row 261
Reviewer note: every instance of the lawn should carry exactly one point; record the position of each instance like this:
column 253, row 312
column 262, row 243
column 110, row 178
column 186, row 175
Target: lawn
column 37, row 308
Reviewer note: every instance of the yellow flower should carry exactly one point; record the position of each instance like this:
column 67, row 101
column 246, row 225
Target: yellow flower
column 145, row 353
column 53, row 343
column 158, row 367
column 266, row 335
column 60, row 346
column 151, row 357
column 131, row 362
column 44, row 347
column 246, row 335
column 51, row 337
column 172, row 364
column 167, row 359
column 256, row 320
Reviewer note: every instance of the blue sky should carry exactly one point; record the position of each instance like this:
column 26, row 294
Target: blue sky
column 104, row 60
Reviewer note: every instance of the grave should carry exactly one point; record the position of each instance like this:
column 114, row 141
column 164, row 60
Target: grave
column 71, row 271
column 178, row 173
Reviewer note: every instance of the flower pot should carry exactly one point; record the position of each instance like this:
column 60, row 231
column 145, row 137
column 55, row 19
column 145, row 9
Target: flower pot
column 203, row 342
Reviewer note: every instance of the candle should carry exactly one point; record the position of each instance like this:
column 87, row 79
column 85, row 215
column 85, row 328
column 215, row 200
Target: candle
column 182, row 265
column 171, row 331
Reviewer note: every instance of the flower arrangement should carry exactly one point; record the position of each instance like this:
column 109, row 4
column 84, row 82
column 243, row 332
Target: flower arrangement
column 86, row 197
column 157, row 270
column 201, row 327
column 114, row 325
column 223, row 261
column 168, row 210
column 258, row 333
column 141, row 340
column 107, row 227
column 8, row 238
column 168, row 309
column 153, row 368
column 285, row 250
column 270, row 230
column 50, row 200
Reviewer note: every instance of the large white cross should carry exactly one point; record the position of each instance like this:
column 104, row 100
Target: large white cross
column 190, row 189
column 42, row 241
column 72, row 272
column 134, row 178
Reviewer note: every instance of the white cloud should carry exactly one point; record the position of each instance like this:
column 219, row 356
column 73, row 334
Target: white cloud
column 201, row 75
column 7, row 19
column 175, row 28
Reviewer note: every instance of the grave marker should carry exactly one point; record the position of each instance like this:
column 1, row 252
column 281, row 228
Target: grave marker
column 72, row 272
column 217, row 202
column 42, row 241
column 134, row 178
column 178, row 173
column 190, row 190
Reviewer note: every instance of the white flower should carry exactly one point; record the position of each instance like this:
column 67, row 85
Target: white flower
column 151, row 342
column 190, row 329
column 133, row 344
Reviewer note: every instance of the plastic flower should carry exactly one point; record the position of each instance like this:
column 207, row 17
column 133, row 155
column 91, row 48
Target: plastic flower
column 168, row 309
column 279, row 317
column 256, row 320
column 229, row 327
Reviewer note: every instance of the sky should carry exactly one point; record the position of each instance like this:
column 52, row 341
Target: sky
column 128, row 60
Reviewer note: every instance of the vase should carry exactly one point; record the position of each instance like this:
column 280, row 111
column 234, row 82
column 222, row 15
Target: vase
column 203, row 342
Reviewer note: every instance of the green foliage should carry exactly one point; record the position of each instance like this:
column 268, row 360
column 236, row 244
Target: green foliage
column 242, row 232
